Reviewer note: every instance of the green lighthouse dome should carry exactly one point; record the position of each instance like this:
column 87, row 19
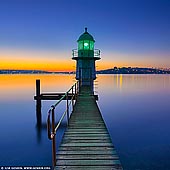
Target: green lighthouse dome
column 86, row 41
column 86, row 36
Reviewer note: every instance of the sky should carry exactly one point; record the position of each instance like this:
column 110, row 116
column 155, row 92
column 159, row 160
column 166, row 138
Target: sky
column 40, row 34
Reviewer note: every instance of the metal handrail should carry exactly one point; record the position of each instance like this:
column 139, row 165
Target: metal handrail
column 51, row 128
column 97, row 53
column 75, row 53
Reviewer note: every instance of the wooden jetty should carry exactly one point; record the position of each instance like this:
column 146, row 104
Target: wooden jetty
column 86, row 143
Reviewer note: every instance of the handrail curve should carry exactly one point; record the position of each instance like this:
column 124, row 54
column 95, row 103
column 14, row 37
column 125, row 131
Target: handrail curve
column 51, row 128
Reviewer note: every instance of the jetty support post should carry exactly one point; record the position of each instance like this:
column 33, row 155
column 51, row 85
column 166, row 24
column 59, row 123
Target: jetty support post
column 38, row 103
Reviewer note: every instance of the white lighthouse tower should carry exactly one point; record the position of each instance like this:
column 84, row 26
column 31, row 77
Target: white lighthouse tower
column 86, row 56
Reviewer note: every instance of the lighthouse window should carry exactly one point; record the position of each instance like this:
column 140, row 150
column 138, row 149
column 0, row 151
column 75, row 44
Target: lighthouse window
column 80, row 45
column 91, row 45
column 86, row 45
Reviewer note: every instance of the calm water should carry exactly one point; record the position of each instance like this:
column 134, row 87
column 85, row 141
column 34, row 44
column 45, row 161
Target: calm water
column 136, row 109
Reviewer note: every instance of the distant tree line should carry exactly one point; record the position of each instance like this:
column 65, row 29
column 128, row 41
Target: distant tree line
column 133, row 70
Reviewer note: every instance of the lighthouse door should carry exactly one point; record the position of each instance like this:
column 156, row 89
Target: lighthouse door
column 85, row 75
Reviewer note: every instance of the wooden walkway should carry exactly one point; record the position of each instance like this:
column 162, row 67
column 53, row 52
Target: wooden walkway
column 86, row 144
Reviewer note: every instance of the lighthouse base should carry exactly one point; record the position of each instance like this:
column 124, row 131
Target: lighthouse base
column 88, row 83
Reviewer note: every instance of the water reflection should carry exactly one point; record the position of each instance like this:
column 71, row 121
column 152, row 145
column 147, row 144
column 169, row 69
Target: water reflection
column 136, row 111
column 22, row 87
column 23, row 143
column 134, row 107
column 119, row 81
column 132, row 83
column 39, row 129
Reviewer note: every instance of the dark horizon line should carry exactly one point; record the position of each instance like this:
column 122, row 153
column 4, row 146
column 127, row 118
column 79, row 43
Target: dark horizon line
column 115, row 67
column 115, row 70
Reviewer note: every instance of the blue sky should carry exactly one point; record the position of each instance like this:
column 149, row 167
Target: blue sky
column 128, row 32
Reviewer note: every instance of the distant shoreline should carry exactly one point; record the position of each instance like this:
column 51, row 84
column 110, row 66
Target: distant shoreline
column 115, row 70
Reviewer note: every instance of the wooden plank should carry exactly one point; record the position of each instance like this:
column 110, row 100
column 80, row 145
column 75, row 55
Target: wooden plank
column 86, row 157
column 87, row 138
column 91, row 135
column 90, row 148
column 88, row 152
column 86, row 132
column 86, row 144
column 85, row 128
column 56, row 94
column 87, row 162
column 112, row 167
column 90, row 124
column 52, row 96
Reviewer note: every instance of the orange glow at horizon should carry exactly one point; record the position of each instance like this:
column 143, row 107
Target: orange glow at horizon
column 35, row 64
column 16, row 87
column 36, row 60
column 56, row 61
column 58, row 64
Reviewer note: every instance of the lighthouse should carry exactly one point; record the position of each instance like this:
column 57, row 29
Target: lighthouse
column 85, row 57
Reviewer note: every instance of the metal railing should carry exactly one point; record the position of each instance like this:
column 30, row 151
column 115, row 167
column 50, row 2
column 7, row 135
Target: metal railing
column 96, row 53
column 51, row 128
column 75, row 52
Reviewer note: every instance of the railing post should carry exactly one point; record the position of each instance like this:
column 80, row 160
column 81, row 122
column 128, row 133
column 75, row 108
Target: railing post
column 53, row 138
column 78, row 85
column 72, row 97
column 75, row 91
column 67, row 107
